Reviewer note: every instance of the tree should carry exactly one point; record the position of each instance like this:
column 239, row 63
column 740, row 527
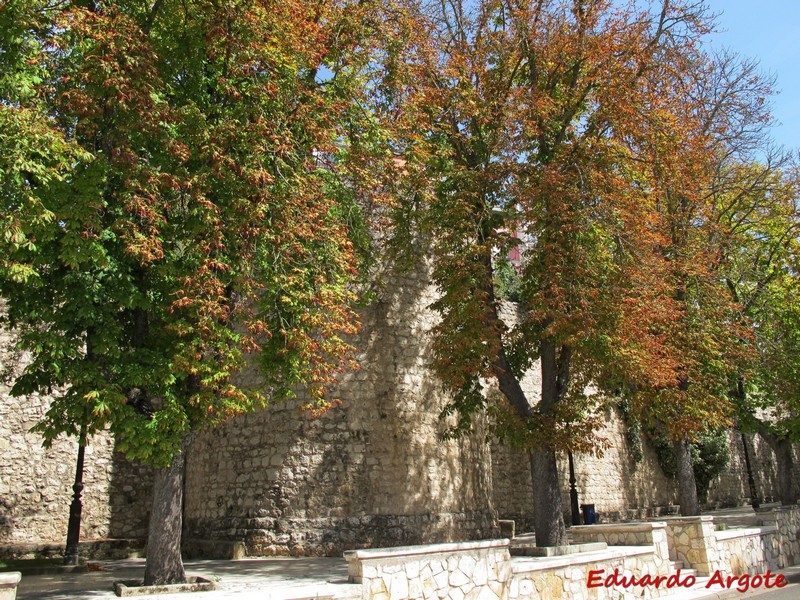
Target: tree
column 755, row 191
column 541, row 126
column 175, row 208
column 760, row 273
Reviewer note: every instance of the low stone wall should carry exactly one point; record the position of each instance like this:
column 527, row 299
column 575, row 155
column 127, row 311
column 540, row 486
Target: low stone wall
column 486, row 571
column 651, row 535
column 748, row 551
column 8, row 585
column 473, row 570
column 570, row 576
column 787, row 521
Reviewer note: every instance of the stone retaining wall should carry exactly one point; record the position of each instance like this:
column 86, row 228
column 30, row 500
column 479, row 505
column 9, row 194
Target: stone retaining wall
column 568, row 576
column 470, row 570
column 738, row 551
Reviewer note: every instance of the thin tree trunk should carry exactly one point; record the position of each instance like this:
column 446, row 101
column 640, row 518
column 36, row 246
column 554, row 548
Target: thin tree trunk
column 783, row 454
column 164, row 563
column 687, row 487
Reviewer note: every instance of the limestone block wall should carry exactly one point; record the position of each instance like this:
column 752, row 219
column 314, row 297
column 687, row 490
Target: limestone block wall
column 36, row 483
column 622, row 489
column 731, row 486
column 612, row 482
column 372, row 472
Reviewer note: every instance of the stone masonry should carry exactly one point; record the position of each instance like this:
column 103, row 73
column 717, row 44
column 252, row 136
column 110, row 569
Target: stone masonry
column 374, row 472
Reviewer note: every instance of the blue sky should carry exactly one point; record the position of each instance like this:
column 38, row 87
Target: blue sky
column 767, row 30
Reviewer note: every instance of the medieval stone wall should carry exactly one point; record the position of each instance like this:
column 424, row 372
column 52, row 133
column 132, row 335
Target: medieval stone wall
column 373, row 472
column 36, row 483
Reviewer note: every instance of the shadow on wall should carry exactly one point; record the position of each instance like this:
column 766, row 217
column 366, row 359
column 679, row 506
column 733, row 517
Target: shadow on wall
column 129, row 499
column 372, row 472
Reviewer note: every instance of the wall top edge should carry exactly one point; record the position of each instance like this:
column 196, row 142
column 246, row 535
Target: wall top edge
column 398, row 551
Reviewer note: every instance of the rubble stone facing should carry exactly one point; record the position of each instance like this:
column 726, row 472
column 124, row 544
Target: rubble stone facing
column 486, row 571
column 460, row 571
column 568, row 576
column 774, row 544
column 36, row 482
column 693, row 541
column 650, row 535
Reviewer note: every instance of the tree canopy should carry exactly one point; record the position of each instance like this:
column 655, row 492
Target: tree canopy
column 178, row 197
column 587, row 136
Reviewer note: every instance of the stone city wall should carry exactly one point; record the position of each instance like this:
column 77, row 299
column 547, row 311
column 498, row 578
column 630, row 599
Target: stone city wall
column 374, row 472
column 36, row 483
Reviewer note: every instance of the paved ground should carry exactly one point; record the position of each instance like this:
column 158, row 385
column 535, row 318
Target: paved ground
column 265, row 579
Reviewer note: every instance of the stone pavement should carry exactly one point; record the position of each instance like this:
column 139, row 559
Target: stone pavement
column 246, row 579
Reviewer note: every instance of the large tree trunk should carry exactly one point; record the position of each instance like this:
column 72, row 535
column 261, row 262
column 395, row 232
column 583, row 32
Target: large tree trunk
column 548, row 516
column 687, row 488
column 164, row 563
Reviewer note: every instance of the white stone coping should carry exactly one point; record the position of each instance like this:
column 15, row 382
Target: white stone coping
column 529, row 565
column 422, row 549
column 619, row 527
column 730, row 534
column 10, row 579
column 690, row 519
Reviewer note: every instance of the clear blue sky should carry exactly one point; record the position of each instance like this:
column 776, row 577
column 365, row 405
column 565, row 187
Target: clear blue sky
column 769, row 31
